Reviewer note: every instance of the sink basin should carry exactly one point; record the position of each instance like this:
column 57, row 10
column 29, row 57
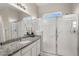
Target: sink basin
column 24, row 42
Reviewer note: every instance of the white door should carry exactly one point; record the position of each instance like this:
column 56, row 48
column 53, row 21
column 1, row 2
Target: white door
column 67, row 35
column 49, row 36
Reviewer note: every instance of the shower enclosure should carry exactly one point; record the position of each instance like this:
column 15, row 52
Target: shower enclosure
column 60, row 35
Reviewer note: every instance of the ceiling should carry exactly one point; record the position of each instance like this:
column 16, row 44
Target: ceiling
column 51, row 4
column 43, row 4
column 44, row 8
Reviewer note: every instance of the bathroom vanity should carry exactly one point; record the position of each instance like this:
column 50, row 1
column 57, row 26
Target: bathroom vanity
column 25, row 46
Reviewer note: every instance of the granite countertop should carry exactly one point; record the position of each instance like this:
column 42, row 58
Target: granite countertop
column 14, row 47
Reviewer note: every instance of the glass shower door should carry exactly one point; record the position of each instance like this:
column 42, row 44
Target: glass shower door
column 49, row 35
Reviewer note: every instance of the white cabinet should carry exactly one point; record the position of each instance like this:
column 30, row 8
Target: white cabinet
column 38, row 47
column 32, row 50
column 34, row 45
column 28, row 53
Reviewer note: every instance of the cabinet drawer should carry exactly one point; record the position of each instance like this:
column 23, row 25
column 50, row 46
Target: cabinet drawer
column 24, row 50
column 33, row 44
column 28, row 53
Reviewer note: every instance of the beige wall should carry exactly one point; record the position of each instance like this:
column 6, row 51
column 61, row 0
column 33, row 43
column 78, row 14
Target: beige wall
column 75, row 8
column 32, row 9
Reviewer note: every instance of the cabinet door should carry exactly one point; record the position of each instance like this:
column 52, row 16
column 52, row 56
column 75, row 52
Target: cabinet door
column 34, row 53
column 38, row 47
column 26, row 49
